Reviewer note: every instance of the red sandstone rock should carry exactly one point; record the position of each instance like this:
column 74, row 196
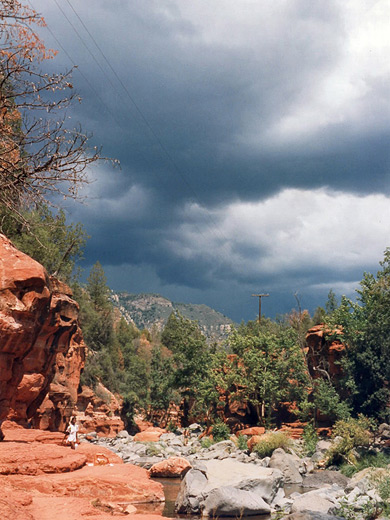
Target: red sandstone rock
column 14, row 504
column 320, row 350
column 172, row 467
column 94, row 454
column 36, row 458
column 39, row 332
column 253, row 441
column 255, row 430
column 31, row 435
column 141, row 423
column 118, row 484
column 151, row 434
column 99, row 414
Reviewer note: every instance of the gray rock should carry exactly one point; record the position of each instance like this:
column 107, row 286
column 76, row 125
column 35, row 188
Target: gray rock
column 147, row 462
column 167, row 437
column 123, row 435
column 320, row 500
column 195, row 428
column 288, row 464
column 218, row 474
column 318, row 479
column 190, row 494
column 323, row 446
column 311, row 515
column 230, row 501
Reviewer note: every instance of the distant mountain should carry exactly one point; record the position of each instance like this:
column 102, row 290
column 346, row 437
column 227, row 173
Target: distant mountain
column 152, row 310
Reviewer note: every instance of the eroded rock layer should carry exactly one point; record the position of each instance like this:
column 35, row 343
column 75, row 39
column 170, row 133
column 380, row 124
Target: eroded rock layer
column 41, row 347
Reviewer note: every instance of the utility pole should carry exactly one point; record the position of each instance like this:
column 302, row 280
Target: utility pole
column 260, row 296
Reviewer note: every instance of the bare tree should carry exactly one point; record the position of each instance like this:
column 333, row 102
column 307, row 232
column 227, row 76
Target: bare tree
column 39, row 154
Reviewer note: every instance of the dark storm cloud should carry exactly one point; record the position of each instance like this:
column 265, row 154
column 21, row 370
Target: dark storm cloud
column 213, row 104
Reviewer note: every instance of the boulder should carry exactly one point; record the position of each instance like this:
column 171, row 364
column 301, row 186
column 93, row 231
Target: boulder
column 230, row 501
column 320, row 500
column 319, row 479
column 151, row 434
column 212, row 475
column 311, row 515
column 288, row 464
column 172, row 467
column 98, row 455
column 252, row 441
column 255, row 430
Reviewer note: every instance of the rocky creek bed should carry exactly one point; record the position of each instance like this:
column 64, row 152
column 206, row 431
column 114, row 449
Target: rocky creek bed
column 222, row 480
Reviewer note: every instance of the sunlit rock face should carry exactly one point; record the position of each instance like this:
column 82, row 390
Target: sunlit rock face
column 323, row 354
column 41, row 348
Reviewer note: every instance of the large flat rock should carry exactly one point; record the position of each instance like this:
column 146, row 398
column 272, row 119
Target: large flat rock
column 227, row 486
column 36, row 458
column 122, row 483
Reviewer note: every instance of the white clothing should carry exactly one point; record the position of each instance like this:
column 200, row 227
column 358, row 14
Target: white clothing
column 72, row 430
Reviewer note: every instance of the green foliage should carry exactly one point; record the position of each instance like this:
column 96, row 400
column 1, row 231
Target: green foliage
column 113, row 360
column 382, row 486
column 190, row 356
column 310, row 439
column 269, row 442
column 331, row 304
column 328, row 401
column 221, row 432
column 368, row 511
column 242, row 442
column 153, row 449
column 171, row 427
column 366, row 330
column 349, row 434
column 366, row 460
column 206, row 443
column 46, row 237
column 269, row 369
column 161, row 392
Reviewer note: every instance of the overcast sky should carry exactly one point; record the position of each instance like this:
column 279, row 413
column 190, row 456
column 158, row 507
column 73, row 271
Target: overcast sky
column 253, row 138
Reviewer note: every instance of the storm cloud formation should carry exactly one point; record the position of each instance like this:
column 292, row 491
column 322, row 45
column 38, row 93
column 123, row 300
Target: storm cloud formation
column 253, row 139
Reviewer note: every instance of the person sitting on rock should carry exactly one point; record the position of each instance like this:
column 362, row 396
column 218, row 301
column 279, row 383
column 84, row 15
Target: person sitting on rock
column 72, row 430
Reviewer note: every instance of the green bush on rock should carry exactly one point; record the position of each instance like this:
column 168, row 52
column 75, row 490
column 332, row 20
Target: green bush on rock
column 269, row 442
column 348, row 434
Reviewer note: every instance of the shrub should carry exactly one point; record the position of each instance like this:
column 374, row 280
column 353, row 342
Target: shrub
column 153, row 449
column 269, row 442
column 310, row 439
column 351, row 434
column 221, row 432
column 207, row 442
column 368, row 460
column 242, row 442
column 172, row 427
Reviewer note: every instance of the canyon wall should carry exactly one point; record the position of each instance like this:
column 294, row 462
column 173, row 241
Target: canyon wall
column 41, row 348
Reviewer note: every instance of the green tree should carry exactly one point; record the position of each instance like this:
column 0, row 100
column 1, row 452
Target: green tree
column 190, row 356
column 366, row 331
column 46, row 237
column 331, row 303
column 97, row 287
column 270, row 369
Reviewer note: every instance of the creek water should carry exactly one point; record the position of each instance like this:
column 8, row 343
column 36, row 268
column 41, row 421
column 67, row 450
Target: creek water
column 172, row 487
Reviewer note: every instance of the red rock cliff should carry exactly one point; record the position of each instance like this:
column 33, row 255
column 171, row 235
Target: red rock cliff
column 41, row 347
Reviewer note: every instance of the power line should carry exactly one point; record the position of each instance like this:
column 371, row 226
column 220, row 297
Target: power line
column 141, row 114
column 80, row 72
column 135, row 105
